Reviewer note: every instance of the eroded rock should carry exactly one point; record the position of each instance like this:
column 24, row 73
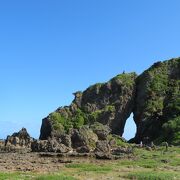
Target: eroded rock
column 84, row 137
column 50, row 145
column 157, row 105
column 20, row 139
column 108, row 103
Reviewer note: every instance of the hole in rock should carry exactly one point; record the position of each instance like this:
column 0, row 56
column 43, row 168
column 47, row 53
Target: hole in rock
column 130, row 128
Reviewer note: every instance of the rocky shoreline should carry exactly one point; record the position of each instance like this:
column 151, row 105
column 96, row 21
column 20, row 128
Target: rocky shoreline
column 20, row 152
column 153, row 98
column 93, row 124
column 73, row 145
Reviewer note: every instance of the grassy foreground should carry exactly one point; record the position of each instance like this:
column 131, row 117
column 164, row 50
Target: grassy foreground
column 151, row 165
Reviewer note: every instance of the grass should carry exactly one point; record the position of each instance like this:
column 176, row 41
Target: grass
column 151, row 165
column 28, row 176
column 15, row 176
column 152, row 175
column 55, row 177
column 90, row 168
column 139, row 163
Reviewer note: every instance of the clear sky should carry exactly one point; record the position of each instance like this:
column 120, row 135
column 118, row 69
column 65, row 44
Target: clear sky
column 52, row 48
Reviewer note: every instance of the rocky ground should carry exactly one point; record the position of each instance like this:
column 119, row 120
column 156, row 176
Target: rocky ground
column 20, row 152
column 36, row 162
column 143, row 164
column 42, row 162
column 85, row 138
column 25, row 158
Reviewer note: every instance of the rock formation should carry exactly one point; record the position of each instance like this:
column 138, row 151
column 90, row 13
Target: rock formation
column 108, row 103
column 94, row 122
column 153, row 98
column 157, row 103
column 87, row 124
column 20, row 141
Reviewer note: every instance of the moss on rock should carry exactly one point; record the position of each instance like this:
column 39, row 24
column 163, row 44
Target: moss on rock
column 107, row 103
column 153, row 97
column 157, row 107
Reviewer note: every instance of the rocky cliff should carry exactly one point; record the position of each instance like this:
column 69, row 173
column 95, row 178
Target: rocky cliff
column 157, row 103
column 153, row 98
column 108, row 103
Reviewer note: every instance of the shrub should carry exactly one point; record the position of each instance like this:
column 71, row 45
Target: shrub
column 78, row 120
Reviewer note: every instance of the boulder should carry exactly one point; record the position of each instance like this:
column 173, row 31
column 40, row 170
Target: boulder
column 20, row 139
column 102, row 131
column 102, row 146
column 66, row 140
column 50, row 145
column 122, row 150
column 83, row 149
column 103, row 150
column 84, row 137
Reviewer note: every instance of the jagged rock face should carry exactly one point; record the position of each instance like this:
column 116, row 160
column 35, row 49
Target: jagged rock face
column 100, row 130
column 153, row 97
column 18, row 140
column 2, row 144
column 108, row 103
column 84, row 137
column 157, row 106
column 50, row 145
column 111, row 103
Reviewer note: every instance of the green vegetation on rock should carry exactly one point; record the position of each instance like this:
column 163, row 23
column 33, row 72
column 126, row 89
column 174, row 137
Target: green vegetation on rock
column 98, row 114
column 171, row 131
column 157, row 109
column 78, row 119
column 60, row 123
column 125, row 79
column 119, row 141
column 153, row 97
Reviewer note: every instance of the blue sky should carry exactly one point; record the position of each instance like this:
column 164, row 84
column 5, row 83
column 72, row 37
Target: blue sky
column 50, row 49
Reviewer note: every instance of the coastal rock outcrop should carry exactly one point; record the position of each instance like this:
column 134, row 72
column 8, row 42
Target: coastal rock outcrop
column 19, row 141
column 108, row 103
column 157, row 103
column 95, row 120
column 50, row 145
column 153, row 97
